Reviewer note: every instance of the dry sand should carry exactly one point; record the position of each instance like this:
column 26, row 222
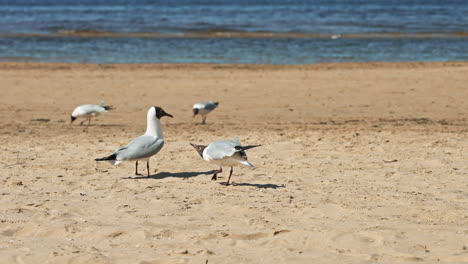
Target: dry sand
column 360, row 163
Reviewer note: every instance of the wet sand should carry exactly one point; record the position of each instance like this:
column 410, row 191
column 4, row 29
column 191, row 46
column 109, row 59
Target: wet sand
column 359, row 163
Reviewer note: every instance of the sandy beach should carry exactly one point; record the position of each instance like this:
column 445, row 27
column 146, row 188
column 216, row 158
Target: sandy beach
column 359, row 163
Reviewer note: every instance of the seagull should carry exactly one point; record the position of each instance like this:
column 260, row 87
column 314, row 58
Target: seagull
column 144, row 146
column 224, row 153
column 203, row 109
column 88, row 111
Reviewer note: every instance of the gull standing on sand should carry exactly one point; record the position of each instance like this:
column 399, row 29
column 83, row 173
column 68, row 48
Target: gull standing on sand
column 89, row 110
column 144, row 146
column 224, row 153
column 203, row 109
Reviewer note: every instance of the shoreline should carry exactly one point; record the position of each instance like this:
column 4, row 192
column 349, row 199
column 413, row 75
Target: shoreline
column 20, row 65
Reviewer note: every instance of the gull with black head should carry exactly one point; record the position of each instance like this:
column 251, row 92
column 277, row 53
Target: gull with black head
column 144, row 146
column 203, row 109
column 224, row 153
column 89, row 110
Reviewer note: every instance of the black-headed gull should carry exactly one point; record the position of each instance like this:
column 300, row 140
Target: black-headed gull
column 89, row 110
column 203, row 109
column 224, row 153
column 144, row 146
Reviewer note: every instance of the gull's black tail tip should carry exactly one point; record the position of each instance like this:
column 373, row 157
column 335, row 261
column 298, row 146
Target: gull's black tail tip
column 111, row 157
column 108, row 107
column 246, row 147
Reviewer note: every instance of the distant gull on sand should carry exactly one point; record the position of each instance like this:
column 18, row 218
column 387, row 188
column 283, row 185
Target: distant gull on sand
column 144, row 146
column 88, row 110
column 203, row 109
column 224, row 153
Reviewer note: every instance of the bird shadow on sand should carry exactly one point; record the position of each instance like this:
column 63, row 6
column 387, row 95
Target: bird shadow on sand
column 102, row 125
column 262, row 186
column 164, row 174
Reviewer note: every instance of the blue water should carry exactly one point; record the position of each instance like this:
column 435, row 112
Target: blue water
column 29, row 31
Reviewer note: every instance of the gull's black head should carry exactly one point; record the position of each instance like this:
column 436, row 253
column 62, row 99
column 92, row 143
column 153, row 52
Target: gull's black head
column 195, row 111
column 72, row 118
column 216, row 103
column 199, row 149
column 160, row 112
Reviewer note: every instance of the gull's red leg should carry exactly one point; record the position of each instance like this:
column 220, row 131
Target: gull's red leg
column 230, row 173
column 215, row 176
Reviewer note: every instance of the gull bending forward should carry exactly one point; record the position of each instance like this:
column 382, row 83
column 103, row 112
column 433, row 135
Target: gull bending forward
column 224, row 153
column 203, row 109
column 144, row 146
column 88, row 110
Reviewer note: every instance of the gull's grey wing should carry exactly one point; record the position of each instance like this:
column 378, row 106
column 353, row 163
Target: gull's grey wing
column 221, row 149
column 210, row 105
column 205, row 105
column 140, row 148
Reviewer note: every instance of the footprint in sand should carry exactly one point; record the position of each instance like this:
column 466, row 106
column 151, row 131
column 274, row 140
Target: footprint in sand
column 251, row 236
column 357, row 240
column 125, row 208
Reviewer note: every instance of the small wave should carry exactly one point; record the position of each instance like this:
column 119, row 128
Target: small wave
column 228, row 33
column 208, row 30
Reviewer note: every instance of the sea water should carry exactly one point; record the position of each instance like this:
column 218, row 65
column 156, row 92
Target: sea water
column 235, row 31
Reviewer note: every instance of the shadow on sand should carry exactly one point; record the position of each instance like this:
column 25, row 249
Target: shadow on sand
column 185, row 175
column 164, row 174
column 263, row 186
column 102, row 125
